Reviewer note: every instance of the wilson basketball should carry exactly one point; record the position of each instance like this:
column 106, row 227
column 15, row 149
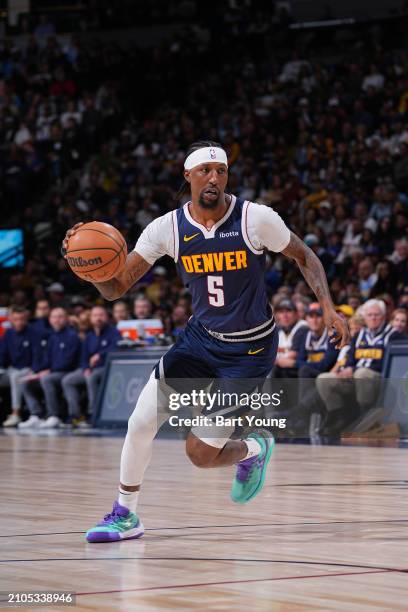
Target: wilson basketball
column 96, row 252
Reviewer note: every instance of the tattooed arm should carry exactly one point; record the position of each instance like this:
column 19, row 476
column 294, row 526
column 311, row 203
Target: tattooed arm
column 315, row 276
column 135, row 268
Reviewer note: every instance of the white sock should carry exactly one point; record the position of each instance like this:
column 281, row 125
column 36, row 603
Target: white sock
column 254, row 448
column 128, row 499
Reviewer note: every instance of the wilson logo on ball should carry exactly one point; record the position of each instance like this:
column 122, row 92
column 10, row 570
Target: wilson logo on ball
column 80, row 262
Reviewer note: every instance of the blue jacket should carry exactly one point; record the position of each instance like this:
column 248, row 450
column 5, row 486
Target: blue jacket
column 102, row 344
column 17, row 348
column 41, row 326
column 59, row 352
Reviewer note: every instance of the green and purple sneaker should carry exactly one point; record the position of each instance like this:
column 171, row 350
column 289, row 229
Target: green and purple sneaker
column 250, row 476
column 120, row 524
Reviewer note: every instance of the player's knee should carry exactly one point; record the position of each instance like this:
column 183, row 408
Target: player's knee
column 201, row 455
column 141, row 426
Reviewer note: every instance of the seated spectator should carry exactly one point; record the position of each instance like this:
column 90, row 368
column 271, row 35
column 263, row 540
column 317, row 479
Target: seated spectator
column 302, row 305
column 156, row 291
column 354, row 301
column 56, row 294
column 399, row 321
column 291, row 331
column 316, row 354
column 346, row 310
column 61, row 356
column 16, row 357
column 400, row 258
column 373, row 80
column 363, row 367
column 367, row 277
column 386, row 279
column 81, row 323
column 41, row 323
column 179, row 318
column 142, row 308
column 45, row 27
column 98, row 342
column 120, row 311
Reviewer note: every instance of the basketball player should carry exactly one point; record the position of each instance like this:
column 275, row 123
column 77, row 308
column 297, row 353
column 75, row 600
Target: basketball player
column 218, row 242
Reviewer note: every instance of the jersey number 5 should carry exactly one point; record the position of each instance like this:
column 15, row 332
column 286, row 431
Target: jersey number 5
column 215, row 290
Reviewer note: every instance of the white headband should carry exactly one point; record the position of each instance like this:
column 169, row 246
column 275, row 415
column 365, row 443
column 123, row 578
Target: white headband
column 204, row 156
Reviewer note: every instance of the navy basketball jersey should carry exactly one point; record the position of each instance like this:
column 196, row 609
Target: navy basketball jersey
column 316, row 347
column 223, row 271
column 367, row 350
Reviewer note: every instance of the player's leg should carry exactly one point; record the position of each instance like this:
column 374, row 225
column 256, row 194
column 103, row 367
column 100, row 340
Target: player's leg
column 251, row 455
column 242, row 369
column 148, row 416
column 123, row 522
column 202, row 454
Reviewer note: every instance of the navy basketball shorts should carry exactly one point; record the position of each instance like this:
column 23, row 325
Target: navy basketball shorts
column 198, row 360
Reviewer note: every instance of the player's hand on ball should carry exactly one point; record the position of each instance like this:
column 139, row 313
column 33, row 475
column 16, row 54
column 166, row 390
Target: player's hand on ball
column 96, row 252
column 68, row 235
column 338, row 328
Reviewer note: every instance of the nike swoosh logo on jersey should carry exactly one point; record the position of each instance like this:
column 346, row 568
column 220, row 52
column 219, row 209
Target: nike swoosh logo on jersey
column 250, row 352
column 188, row 238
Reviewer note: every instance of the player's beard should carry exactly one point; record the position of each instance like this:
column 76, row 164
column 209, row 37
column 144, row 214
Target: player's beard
column 208, row 205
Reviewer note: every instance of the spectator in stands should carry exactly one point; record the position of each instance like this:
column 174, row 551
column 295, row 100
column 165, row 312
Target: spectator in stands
column 336, row 159
column 363, row 366
column 386, row 279
column 157, row 289
column 56, row 294
column 367, row 277
column 61, row 356
column 302, row 305
column 291, row 331
column 142, row 308
column 98, row 342
column 400, row 258
column 41, row 322
column 120, row 311
column 17, row 349
column 179, row 318
column 45, row 27
column 316, row 354
column 354, row 301
column 399, row 321
column 83, row 323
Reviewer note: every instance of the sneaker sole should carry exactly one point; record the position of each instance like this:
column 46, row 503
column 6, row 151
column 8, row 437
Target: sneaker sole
column 98, row 537
column 263, row 471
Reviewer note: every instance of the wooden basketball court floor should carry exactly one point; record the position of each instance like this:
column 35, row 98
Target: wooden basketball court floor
column 329, row 531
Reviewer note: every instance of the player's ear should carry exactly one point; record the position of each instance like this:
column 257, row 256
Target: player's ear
column 187, row 176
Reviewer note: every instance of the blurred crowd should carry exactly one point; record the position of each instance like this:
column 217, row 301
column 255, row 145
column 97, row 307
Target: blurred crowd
column 51, row 365
column 99, row 132
column 93, row 130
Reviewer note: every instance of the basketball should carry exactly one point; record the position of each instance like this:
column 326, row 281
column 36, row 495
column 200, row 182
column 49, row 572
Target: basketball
column 96, row 252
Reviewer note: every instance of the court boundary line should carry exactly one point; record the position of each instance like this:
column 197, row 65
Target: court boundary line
column 245, row 581
column 212, row 559
column 235, row 525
